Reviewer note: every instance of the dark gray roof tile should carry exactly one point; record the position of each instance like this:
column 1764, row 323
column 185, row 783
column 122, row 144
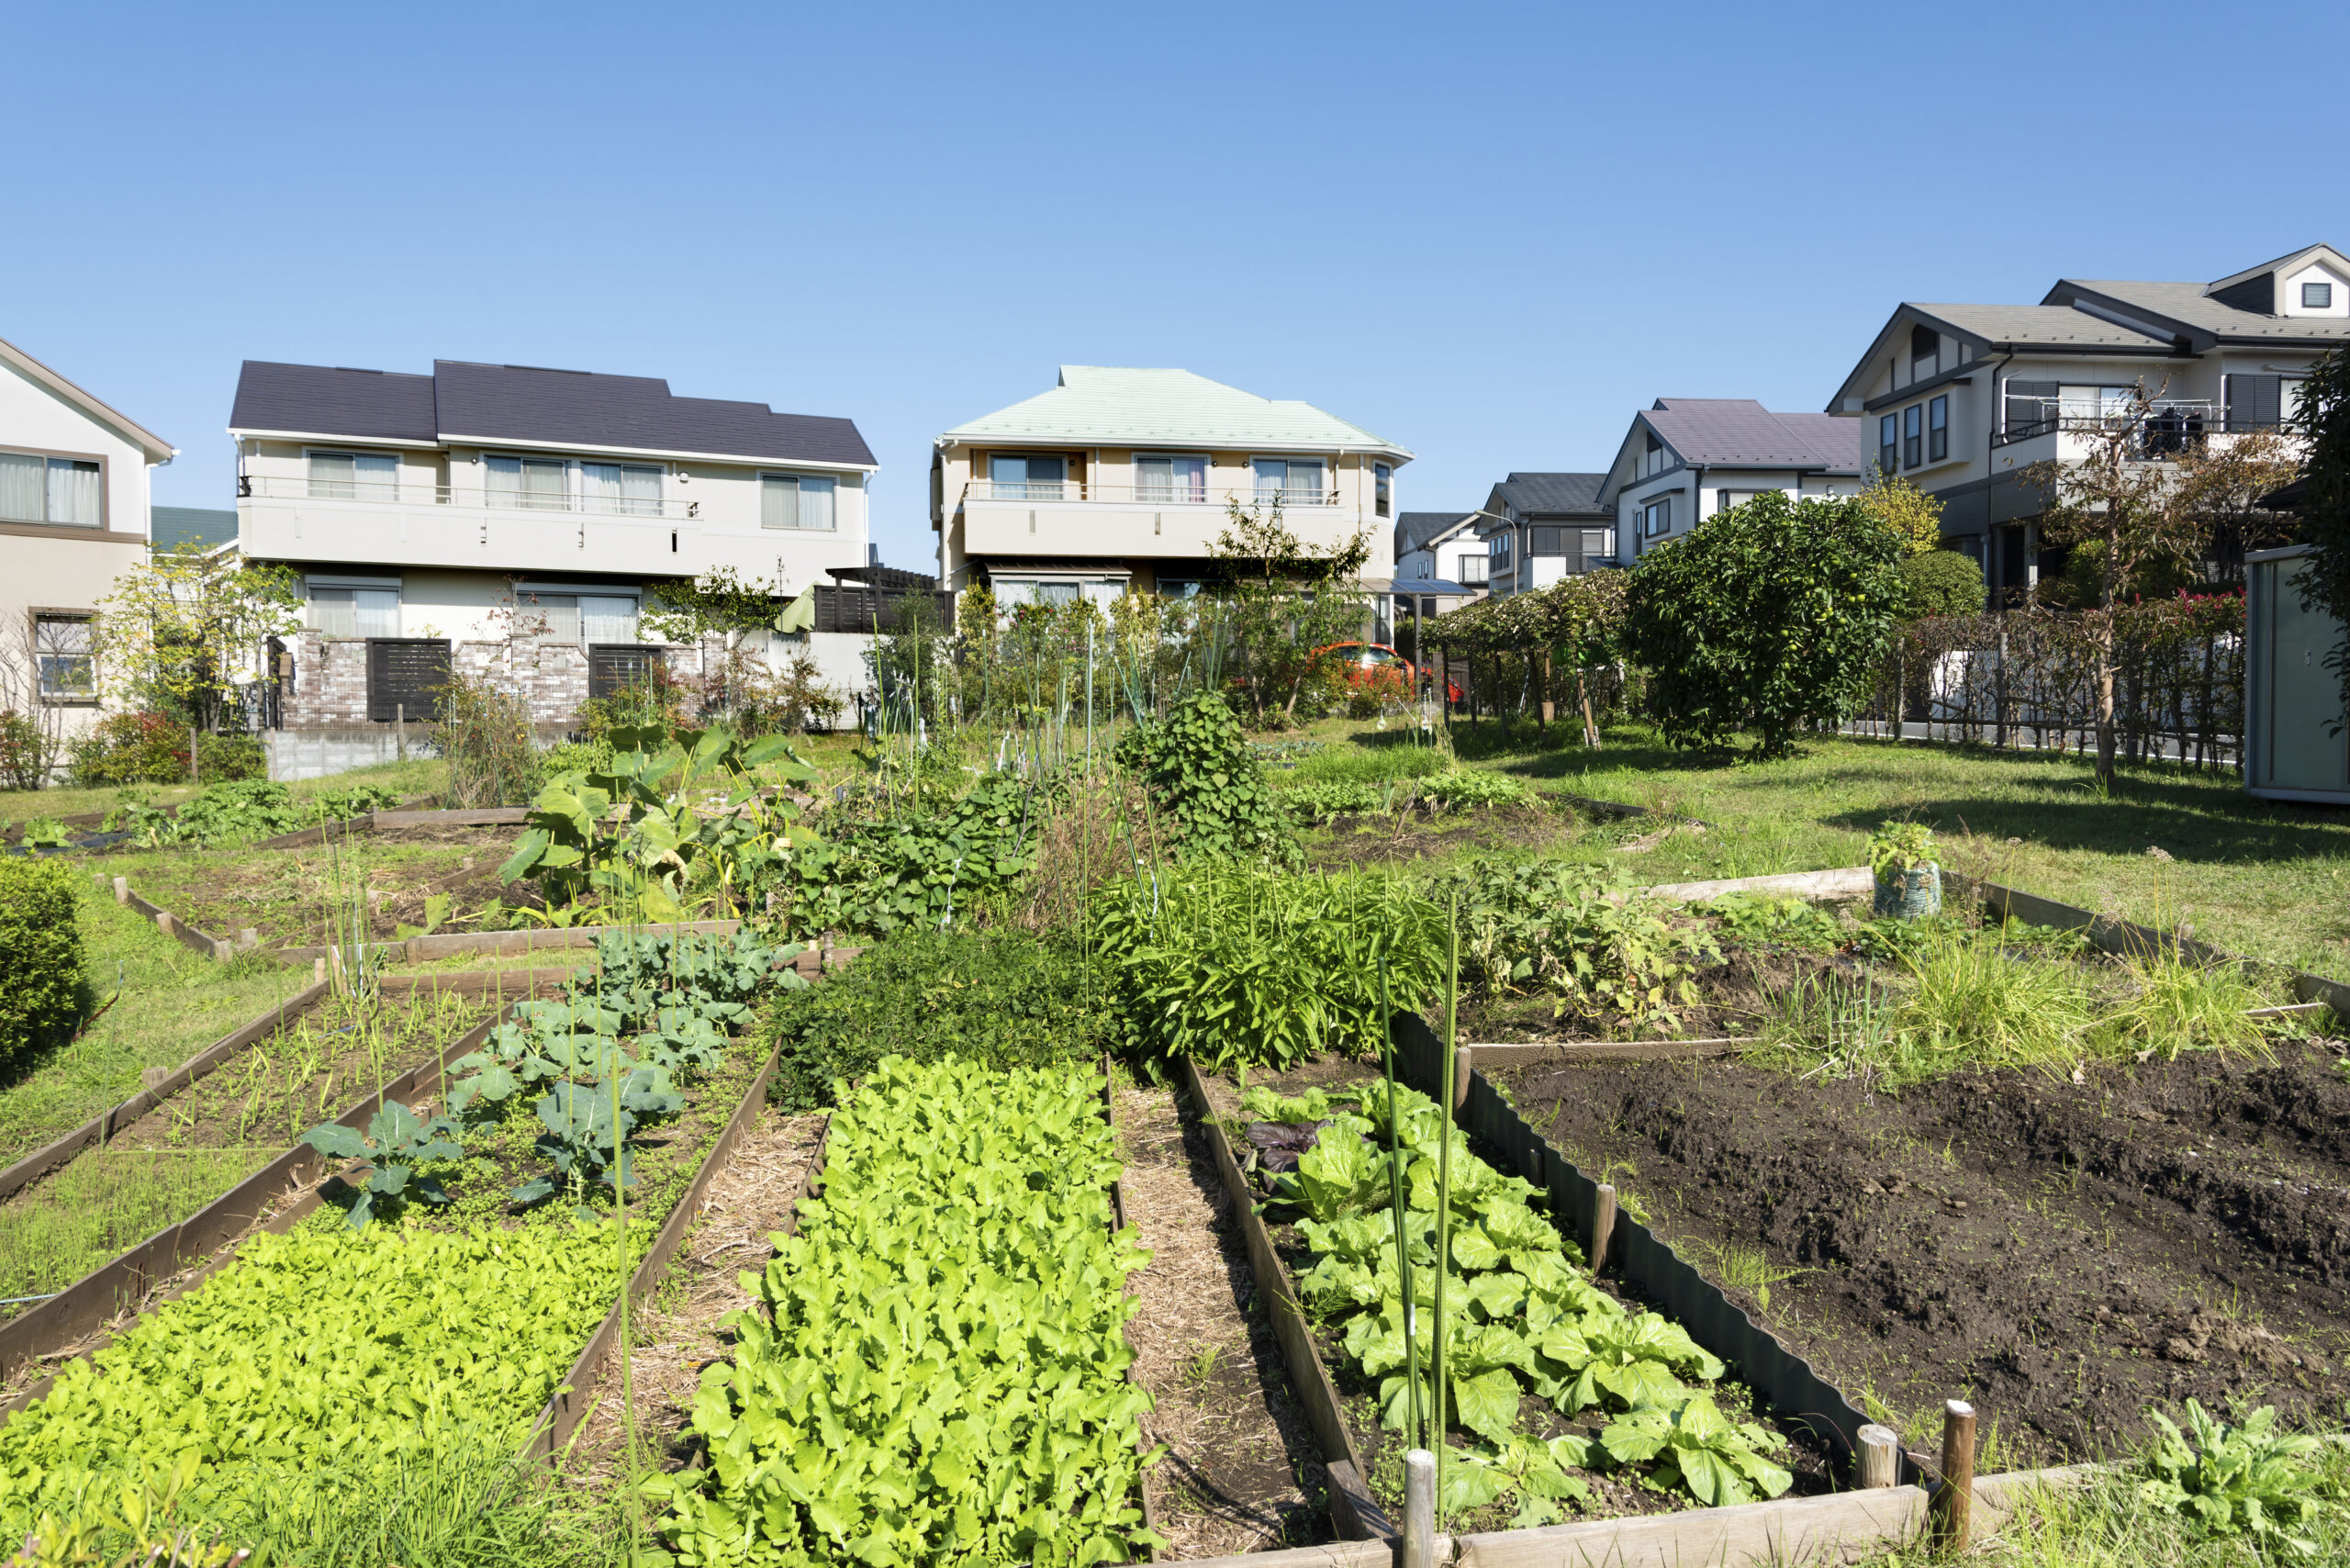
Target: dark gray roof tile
column 1741, row 433
column 1546, row 495
column 316, row 399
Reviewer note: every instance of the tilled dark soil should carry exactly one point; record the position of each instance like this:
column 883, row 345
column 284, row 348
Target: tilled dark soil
column 2064, row 1254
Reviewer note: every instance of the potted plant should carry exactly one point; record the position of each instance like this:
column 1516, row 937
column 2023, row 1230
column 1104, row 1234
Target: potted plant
column 1908, row 871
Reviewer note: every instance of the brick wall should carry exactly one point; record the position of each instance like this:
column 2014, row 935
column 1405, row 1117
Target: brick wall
column 331, row 677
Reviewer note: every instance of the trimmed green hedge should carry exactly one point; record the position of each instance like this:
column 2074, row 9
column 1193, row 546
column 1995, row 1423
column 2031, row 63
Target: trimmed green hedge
column 40, row 953
column 1002, row 998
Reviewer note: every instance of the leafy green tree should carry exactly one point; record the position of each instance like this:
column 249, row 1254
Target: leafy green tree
column 2323, row 423
column 179, row 628
column 1941, row 582
column 1285, row 598
column 1909, row 511
column 1769, row 617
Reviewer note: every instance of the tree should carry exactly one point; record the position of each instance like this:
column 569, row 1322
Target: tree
column 1941, row 582
column 1770, row 617
column 2142, row 517
column 2322, row 424
column 717, row 604
column 182, row 625
column 1907, row 511
column 1286, row 599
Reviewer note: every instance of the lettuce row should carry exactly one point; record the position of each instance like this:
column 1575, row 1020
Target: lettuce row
column 938, row 1376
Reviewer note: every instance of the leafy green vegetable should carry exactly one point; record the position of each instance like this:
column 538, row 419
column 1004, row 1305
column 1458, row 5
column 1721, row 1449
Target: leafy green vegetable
column 1212, row 791
column 1600, row 948
column 1260, row 1103
column 902, row 873
column 1757, row 918
column 398, row 1141
column 2243, row 1480
column 1693, row 1444
column 1896, row 848
column 938, row 1376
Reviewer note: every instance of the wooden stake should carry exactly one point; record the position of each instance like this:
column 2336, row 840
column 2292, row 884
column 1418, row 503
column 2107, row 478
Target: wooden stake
column 319, row 971
column 122, row 890
column 1603, row 1224
column 1878, row 1461
column 1462, row 1065
column 1954, row 1504
column 1419, row 1509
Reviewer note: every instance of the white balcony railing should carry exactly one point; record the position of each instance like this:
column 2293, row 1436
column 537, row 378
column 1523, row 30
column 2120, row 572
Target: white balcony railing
column 1174, row 494
column 383, row 492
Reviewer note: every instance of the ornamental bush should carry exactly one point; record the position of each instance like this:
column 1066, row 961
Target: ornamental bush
column 1941, row 582
column 41, row 954
column 132, row 748
column 1771, row 617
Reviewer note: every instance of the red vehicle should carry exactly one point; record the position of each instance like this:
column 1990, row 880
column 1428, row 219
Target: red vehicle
column 1371, row 661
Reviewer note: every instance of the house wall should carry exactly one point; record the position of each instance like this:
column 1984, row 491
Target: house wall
column 53, row 567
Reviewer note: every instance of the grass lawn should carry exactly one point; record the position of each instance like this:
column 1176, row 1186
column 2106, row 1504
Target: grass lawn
column 2270, row 880
column 174, row 1003
column 417, row 776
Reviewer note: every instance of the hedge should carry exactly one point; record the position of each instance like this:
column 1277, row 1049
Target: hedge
column 40, row 953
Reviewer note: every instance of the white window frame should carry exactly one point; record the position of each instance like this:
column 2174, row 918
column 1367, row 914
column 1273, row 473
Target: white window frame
column 799, row 479
column 49, row 458
column 621, row 506
column 1176, row 495
column 1322, row 495
column 87, row 620
column 515, row 501
column 361, row 489
column 335, row 583
column 1382, row 489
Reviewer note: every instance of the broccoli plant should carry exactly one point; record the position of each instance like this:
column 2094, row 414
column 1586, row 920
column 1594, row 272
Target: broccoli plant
column 579, row 1137
column 397, row 1140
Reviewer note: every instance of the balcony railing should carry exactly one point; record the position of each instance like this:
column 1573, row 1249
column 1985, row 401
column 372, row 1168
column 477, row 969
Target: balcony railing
column 1171, row 494
column 2168, row 428
column 385, row 492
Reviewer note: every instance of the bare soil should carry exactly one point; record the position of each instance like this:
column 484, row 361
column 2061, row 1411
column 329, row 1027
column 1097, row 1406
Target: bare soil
column 2063, row 1253
column 1383, row 841
column 1242, row 1472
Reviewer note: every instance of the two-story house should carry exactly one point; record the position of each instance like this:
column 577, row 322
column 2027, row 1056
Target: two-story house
column 1539, row 528
column 1686, row 458
column 74, row 487
column 519, row 520
column 1120, row 478
column 1441, row 549
column 1963, row 400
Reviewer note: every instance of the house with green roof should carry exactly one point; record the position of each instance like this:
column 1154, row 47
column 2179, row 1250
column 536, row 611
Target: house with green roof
column 1119, row 480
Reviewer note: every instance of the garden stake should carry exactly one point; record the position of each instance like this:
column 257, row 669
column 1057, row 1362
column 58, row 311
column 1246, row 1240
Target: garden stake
column 1441, row 1361
column 1954, row 1504
column 1878, row 1461
column 1414, row 1432
column 1603, row 1224
column 1419, row 1509
column 619, row 1227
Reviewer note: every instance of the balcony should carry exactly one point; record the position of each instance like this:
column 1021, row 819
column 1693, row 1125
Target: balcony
column 2165, row 430
column 1164, row 521
column 392, row 493
column 1174, row 494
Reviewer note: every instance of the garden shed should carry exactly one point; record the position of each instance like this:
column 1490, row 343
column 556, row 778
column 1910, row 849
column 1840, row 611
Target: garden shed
column 2298, row 744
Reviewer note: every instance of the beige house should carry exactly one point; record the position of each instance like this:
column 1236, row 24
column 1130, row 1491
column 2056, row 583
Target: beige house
column 1119, row 480
column 72, row 519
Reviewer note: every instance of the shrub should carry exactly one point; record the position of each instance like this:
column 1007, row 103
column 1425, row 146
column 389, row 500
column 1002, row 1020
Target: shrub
column 485, row 733
column 1941, row 582
column 27, row 751
column 1004, row 998
column 1246, row 964
column 41, row 954
column 916, row 871
column 227, row 758
column 1212, row 789
column 131, row 748
column 1769, row 617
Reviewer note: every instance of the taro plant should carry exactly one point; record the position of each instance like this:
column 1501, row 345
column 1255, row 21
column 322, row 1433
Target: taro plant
column 398, row 1141
column 2246, row 1480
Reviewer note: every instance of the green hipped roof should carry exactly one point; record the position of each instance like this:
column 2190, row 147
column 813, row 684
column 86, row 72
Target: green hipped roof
column 1100, row 405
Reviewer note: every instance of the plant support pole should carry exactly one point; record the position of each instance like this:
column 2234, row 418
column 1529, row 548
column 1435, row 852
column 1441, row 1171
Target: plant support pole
column 1398, row 1199
column 1439, row 1355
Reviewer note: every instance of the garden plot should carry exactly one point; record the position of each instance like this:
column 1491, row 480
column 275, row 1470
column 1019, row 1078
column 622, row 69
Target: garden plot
column 1551, row 1362
column 2064, row 1251
column 196, row 1143
column 409, row 880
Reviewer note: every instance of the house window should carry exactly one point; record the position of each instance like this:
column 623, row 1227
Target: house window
column 1595, row 543
column 355, row 612
column 1160, row 477
column 1937, row 429
column 1657, row 517
column 1382, row 478
column 2030, row 407
column 1178, row 587
column 631, row 489
column 581, row 618
column 356, row 476
column 534, row 484
column 2255, row 402
column 1887, row 436
column 1925, row 349
column 65, row 657
column 1022, row 478
column 2316, row 297
column 63, row 490
column 803, row 501
column 1913, row 436
column 1498, row 546
column 1547, row 542
column 1292, row 481
column 1473, row 571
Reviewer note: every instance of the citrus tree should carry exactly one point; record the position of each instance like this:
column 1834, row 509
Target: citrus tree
column 1770, row 617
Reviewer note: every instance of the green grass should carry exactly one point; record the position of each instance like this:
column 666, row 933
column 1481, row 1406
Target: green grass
column 174, row 1003
column 2267, row 879
column 417, row 776
column 103, row 1204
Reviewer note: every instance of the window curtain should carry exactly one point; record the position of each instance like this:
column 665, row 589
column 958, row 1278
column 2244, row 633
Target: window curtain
column 1155, row 478
column 1272, row 474
column 331, row 613
column 1304, row 482
column 375, row 612
column 607, row 618
column 778, row 501
column 22, row 483
column 534, row 484
column 375, row 477
column 332, row 475
column 816, row 503
column 558, row 612
column 641, row 490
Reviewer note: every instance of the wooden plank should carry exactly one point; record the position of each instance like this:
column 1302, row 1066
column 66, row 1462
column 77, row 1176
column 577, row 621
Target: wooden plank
column 1335, row 1554
column 1844, row 882
column 454, row 816
column 1353, row 1512
column 104, row 1125
column 1493, row 1057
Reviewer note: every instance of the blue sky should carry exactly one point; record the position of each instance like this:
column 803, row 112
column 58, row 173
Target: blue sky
column 1486, row 232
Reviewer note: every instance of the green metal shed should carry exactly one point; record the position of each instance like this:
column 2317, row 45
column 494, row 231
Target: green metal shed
column 2298, row 744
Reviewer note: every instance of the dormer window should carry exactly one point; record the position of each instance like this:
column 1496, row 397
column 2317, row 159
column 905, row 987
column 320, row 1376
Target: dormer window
column 2316, row 297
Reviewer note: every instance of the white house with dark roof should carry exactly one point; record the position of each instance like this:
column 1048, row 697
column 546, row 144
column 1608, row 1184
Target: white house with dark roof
column 1539, row 528
column 1441, row 546
column 422, row 513
column 1686, row 458
column 1118, row 478
column 1961, row 399
column 73, row 486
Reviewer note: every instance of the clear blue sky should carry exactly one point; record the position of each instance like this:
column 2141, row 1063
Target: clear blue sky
column 1487, row 232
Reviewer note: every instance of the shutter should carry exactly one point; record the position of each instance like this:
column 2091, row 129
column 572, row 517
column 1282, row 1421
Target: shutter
column 611, row 666
column 405, row 672
column 2254, row 401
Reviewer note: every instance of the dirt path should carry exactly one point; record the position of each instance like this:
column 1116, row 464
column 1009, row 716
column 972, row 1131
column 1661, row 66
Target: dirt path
column 679, row 1332
column 1242, row 1472
column 2065, row 1254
